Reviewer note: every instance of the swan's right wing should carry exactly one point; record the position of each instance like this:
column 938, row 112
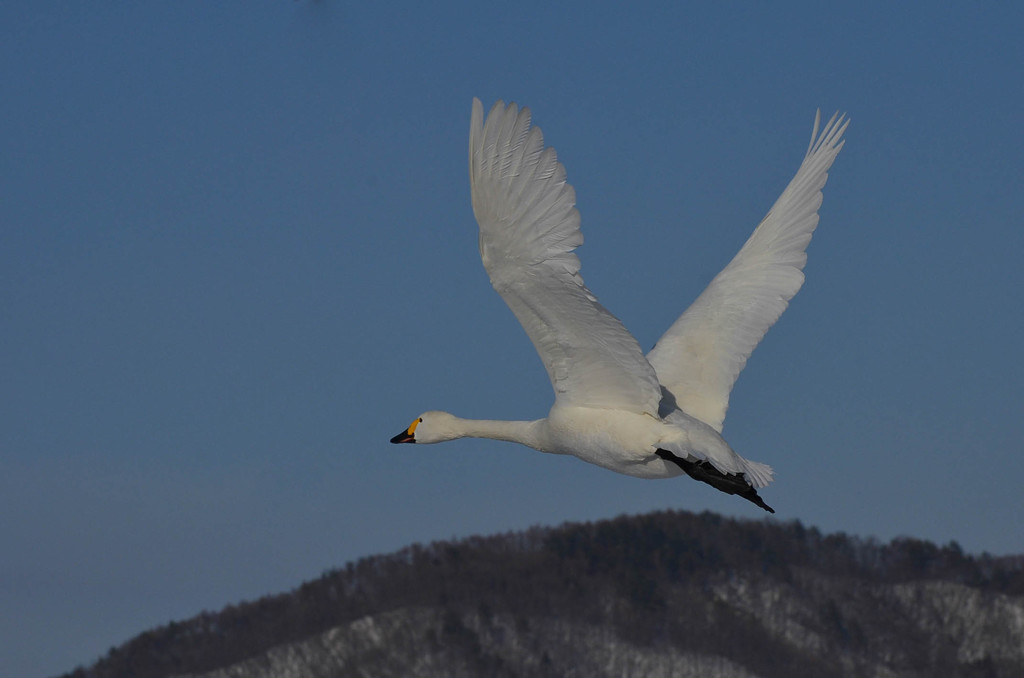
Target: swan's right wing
column 700, row 356
column 529, row 228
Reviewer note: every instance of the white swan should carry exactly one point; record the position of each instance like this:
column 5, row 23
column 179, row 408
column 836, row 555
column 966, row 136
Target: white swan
column 655, row 416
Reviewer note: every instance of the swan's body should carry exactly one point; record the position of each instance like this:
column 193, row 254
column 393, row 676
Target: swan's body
column 652, row 417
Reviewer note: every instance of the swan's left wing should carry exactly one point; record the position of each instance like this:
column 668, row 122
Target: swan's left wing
column 700, row 356
column 529, row 227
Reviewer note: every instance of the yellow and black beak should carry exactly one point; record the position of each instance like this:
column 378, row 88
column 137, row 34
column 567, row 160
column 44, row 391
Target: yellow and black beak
column 407, row 436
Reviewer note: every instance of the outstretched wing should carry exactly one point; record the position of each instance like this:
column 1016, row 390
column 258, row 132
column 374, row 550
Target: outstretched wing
column 529, row 228
column 700, row 356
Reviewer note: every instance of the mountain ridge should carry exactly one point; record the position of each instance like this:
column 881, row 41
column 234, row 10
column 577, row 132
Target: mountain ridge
column 667, row 593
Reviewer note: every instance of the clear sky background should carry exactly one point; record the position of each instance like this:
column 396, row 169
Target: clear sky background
column 237, row 255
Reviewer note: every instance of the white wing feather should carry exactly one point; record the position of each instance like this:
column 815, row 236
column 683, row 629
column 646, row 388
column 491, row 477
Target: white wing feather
column 699, row 357
column 529, row 227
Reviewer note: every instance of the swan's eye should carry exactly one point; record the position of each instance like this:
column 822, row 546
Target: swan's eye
column 412, row 426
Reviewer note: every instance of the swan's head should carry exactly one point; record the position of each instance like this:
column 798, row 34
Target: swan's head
column 430, row 427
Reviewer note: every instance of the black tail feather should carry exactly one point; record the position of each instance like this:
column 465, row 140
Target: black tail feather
column 730, row 483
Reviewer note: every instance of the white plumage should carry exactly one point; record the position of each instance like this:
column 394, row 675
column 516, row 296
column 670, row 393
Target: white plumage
column 654, row 416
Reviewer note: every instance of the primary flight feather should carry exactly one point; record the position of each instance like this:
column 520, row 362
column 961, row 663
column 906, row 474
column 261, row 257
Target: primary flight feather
column 653, row 416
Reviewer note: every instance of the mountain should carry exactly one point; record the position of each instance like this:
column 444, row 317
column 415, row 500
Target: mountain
column 664, row 594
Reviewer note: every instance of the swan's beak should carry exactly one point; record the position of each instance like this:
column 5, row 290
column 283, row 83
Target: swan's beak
column 407, row 436
column 404, row 437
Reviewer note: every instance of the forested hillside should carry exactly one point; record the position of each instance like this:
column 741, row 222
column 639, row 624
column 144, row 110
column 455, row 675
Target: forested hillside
column 664, row 594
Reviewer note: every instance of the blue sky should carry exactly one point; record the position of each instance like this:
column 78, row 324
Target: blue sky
column 237, row 255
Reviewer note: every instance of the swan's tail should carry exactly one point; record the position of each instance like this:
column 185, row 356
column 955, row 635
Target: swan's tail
column 758, row 474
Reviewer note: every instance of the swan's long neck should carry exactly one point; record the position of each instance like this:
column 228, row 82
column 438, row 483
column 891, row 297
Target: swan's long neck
column 522, row 432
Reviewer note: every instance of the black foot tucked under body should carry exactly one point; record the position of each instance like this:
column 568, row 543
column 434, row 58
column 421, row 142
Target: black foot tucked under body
column 730, row 483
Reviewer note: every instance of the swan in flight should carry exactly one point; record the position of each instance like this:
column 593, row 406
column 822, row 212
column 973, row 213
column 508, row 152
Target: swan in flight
column 652, row 416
